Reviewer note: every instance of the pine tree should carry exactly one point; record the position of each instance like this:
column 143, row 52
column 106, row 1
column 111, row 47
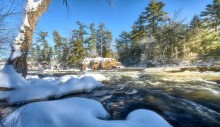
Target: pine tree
column 46, row 50
column 58, row 47
column 123, row 45
column 91, row 41
column 100, row 38
column 154, row 15
column 196, row 24
column 107, row 44
column 77, row 52
column 211, row 15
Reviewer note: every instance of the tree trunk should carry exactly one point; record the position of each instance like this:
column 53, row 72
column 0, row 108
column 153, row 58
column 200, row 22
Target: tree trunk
column 176, row 50
column 23, row 41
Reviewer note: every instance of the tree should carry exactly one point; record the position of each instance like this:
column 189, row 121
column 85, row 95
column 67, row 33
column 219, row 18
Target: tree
column 58, row 47
column 196, row 24
column 154, row 15
column 77, row 52
column 123, row 45
column 8, row 9
column 107, row 44
column 91, row 41
column 100, row 38
column 46, row 50
column 211, row 15
column 23, row 41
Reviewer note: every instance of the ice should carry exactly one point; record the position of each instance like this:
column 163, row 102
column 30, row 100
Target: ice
column 77, row 112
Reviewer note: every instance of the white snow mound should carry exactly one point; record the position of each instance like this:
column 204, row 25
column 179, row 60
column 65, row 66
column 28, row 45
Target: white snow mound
column 98, row 77
column 39, row 89
column 77, row 112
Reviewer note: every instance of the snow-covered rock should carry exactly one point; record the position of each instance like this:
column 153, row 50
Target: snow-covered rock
column 77, row 112
column 98, row 77
column 100, row 63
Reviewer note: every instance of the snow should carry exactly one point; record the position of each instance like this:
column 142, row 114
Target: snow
column 97, row 59
column 11, row 78
column 98, row 77
column 40, row 89
column 85, row 83
column 30, row 77
column 65, row 78
column 17, row 51
column 25, row 22
column 32, row 5
column 77, row 112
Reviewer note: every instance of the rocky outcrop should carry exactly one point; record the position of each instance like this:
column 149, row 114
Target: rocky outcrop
column 100, row 64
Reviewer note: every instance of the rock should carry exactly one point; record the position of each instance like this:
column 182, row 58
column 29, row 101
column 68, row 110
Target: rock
column 100, row 63
column 107, row 64
column 118, row 65
column 217, row 64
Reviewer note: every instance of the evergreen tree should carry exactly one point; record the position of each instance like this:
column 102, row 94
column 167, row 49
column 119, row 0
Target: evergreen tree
column 100, row 38
column 46, row 50
column 123, row 45
column 91, row 41
column 211, row 15
column 77, row 52
column 104, row 39
column 154, row 15
column 107, row 44
column 58, row 47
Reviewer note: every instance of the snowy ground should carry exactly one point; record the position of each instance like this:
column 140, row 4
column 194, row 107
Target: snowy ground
column 73, row 112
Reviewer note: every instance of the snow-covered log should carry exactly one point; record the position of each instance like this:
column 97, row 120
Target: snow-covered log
column 21, row 44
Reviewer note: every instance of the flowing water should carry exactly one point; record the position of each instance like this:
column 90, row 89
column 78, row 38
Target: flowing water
column 188, row 99
column 184, row 99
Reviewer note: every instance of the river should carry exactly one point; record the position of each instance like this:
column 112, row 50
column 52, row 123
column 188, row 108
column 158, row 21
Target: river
column 184, row 98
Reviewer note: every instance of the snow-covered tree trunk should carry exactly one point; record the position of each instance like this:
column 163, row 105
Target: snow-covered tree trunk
column 20, row 48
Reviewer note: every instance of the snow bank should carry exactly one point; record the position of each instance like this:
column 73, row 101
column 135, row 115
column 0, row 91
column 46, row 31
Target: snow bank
column 98, row 77
column 85, row 83
column 65, row 78
column 77, row 112
column 40, row 89
column 11, row 79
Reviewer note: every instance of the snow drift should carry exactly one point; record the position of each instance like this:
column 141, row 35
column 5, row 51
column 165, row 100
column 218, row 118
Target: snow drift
column 77, row 112
column 39, row 89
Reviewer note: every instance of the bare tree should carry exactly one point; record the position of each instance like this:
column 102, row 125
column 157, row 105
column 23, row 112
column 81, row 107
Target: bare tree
column 8, row 9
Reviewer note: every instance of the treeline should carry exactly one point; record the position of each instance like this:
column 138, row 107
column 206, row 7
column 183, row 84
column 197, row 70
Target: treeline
column 158, row 38
column 85, row 41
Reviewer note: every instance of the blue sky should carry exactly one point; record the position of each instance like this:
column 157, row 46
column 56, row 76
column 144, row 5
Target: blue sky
column 118, row 17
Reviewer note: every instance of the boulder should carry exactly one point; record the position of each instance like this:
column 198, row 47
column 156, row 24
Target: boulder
column 100, row 63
